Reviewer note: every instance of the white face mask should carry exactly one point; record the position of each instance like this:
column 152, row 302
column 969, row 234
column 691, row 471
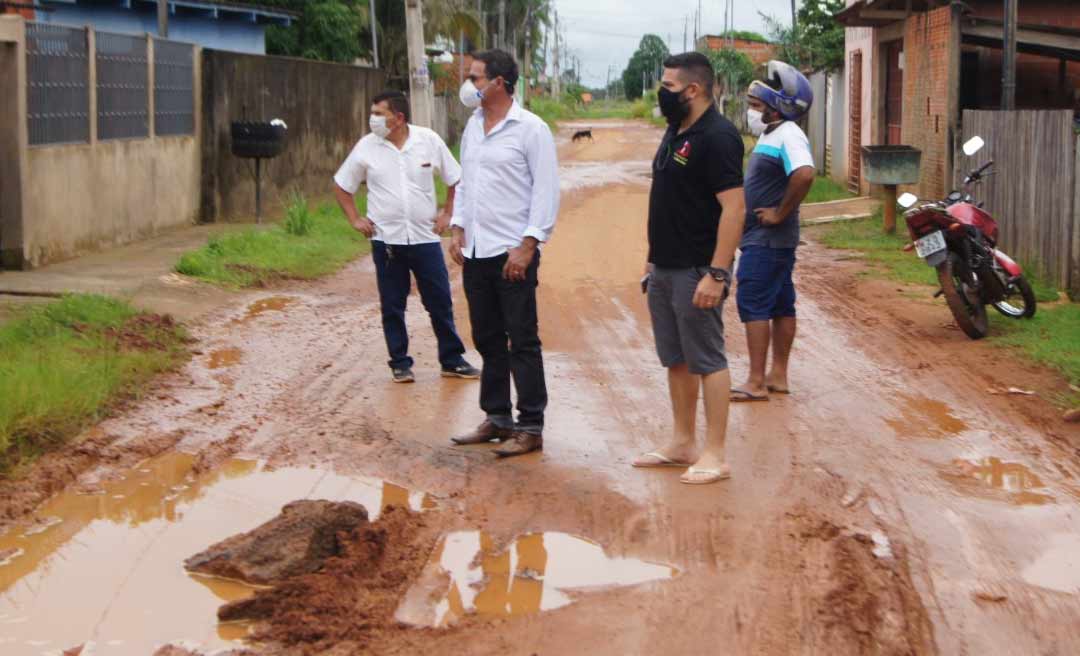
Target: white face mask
column 378, row 126
column 470, row 95
column 755, row 122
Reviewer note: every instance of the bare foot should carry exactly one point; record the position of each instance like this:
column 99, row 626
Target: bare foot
column 777, row 383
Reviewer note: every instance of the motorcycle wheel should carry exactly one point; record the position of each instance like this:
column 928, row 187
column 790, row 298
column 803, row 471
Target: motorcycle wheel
column 1022, row 288
column 970, row 314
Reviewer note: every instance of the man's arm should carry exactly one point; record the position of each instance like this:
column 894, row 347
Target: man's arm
column 729, row 234
column 457, row 223
column 799, row 183
column 347, row 202
column 543, row 161
column 442, row 221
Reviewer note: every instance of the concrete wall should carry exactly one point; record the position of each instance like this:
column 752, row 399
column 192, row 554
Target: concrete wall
column 222, row 33
column 838, row 120
column 87, row 197
column 61, row 200
column 325, row 106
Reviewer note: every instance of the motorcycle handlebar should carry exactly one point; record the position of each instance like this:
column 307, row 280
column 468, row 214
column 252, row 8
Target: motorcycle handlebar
column 982, row 169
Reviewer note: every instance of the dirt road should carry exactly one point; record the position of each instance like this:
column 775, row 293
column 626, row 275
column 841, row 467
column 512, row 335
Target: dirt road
column 889, row 506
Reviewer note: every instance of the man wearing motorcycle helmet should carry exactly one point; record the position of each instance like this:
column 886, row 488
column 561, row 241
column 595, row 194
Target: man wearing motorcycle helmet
column 779, row 175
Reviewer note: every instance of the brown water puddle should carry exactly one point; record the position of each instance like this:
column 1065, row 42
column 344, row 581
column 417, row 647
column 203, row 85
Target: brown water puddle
column 110, row 564
column 225, row 357
column 924, row 417
column 998, row 479
column 537, row 572
column 264, row 305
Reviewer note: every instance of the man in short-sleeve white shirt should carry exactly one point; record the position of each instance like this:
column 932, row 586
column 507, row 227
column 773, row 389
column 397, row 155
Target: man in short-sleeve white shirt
column 398, row 161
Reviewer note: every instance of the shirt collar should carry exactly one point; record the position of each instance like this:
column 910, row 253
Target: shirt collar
column 516, row 113
column 408, row 140
column 704, row 121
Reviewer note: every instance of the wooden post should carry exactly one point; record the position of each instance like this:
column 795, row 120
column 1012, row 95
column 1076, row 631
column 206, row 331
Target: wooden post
column 890, row 209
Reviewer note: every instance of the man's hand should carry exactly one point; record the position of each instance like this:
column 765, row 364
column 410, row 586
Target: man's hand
column 769, row 216
column 649, row 268
column 442, row 222
column 364, row 226
column 457, row 245
column 518, row 260
column 709, row 293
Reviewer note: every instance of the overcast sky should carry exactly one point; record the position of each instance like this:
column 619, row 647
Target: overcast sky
column 607, row 32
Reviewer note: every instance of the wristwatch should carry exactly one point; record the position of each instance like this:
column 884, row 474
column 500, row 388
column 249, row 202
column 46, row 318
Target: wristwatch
column 720, row 275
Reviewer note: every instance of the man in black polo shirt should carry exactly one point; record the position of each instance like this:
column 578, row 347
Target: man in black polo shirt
column 696, row 214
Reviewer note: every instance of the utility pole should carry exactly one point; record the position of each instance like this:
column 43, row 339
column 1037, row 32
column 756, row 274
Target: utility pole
column 1008, row 63
column 528, row 54
column 419, row 76
column 374, row 34
column 607, row 87
column 556, row 82
column 502, row 24
column 793, row 15
column 162, row 19
column 685, row 27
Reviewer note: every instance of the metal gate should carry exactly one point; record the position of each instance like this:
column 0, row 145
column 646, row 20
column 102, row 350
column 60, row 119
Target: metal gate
column 58, row 78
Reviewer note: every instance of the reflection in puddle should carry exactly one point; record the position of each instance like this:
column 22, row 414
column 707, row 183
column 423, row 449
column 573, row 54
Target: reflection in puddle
column 925, row 417
column 262, row 306
column 226, row 357
column 110, row 564
column 536, row 572
column 995, row 478
column 1058, row 568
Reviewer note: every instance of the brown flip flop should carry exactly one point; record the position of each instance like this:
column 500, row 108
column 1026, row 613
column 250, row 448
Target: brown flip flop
column 742, row 396
column 777, row 390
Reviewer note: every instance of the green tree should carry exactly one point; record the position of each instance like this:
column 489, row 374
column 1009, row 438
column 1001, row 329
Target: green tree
column 734, row 69
column 816, row 43
column 328, row 30
column 645, row 67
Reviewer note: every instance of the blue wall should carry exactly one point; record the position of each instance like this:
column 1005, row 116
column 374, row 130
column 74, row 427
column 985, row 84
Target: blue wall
column 224, row 33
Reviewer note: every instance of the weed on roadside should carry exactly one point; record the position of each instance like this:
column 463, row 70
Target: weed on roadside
column 298, row 219
column 883, row 252
column 826, row 189
column 1051, row 337
column 65, row 365
column 257, row 256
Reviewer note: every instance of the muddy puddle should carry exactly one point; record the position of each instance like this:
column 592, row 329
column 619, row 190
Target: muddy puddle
column 537, row 572
column 581, row 175
column 110, row 563
column 921, row 416
column 223, row 358
column 997, row 479
column 265, row 305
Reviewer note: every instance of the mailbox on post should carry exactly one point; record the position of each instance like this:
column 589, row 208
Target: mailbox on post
column 258, row 140
column 891, row 166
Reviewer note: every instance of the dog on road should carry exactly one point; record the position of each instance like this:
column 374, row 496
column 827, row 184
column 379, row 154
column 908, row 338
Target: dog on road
column 582, row 134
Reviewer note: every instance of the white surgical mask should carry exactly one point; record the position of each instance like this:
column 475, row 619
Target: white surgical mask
column 755, row 122
column 470, row 95
column 378, row 126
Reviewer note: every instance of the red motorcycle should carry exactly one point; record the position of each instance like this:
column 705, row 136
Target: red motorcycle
column 959, row 239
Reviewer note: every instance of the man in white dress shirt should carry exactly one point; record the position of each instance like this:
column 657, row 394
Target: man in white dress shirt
column 398, row 162
column 506, row 207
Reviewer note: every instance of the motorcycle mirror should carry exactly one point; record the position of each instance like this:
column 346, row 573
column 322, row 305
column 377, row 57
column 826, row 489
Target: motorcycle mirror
column 907, row 200
column 974, row 145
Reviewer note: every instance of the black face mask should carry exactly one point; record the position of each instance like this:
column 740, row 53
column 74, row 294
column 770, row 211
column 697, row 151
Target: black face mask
column 672, row 106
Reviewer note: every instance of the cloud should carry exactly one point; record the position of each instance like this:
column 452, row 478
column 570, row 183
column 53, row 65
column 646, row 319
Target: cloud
column 605, row 33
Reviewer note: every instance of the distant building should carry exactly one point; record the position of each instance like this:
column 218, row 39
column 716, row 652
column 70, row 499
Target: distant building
column 233, row 26
column 759, row 52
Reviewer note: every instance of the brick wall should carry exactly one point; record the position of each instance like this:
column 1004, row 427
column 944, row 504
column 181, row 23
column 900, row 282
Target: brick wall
column 758, row 52
column 927, row 49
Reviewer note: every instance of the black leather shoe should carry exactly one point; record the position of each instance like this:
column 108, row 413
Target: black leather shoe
column 484, row 433
column 520, row 444
column 463, row 370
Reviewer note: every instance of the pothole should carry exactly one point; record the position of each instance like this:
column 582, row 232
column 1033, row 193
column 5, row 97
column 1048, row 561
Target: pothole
column 108, row 562
column 226, row 357
column 925, row 417
column 264, row 305
column 997, row 479
column 537, row 572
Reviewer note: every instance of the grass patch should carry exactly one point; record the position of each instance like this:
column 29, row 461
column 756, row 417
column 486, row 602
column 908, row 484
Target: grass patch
column 255, row 256
column 65, row 365
column 826, row 189
column 882, row 252
column 1051, row 338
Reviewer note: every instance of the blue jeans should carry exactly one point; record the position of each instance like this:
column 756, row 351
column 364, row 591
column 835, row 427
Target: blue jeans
column 393, row 264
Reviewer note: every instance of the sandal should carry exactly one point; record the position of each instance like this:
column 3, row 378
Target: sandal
column 705, row 476
column 742, row 396
column 658, row 460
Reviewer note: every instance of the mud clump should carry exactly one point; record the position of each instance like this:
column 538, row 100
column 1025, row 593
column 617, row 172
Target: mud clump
column 296, row 542
column 352, row 598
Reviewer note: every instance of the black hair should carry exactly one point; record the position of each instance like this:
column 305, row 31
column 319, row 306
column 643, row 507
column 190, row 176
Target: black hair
column 397, row 100
column 695, row 67
column 499, row 63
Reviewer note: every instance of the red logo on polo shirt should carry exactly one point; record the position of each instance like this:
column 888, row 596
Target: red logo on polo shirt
column 682, row 155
